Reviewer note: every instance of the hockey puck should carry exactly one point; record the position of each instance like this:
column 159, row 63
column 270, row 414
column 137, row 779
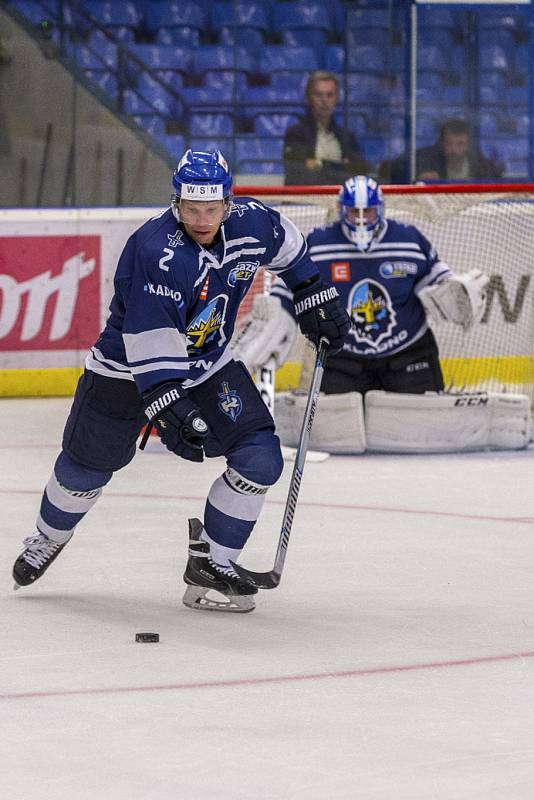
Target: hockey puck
column 147, row 637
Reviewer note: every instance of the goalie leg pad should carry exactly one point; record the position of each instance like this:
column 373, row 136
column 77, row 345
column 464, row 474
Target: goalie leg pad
column 338, row 425
column 446, row 423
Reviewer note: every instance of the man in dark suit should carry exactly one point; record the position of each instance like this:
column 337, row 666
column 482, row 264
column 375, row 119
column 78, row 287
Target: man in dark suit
column 453, row 157
column 316, row 149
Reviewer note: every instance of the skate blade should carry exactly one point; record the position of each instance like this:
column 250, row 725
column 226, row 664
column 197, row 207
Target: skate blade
column 196, row 597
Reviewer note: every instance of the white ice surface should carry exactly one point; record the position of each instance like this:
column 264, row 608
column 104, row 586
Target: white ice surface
column 394, row 662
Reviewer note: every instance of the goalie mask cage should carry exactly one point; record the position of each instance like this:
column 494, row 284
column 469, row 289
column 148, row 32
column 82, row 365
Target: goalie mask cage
column 489, row 227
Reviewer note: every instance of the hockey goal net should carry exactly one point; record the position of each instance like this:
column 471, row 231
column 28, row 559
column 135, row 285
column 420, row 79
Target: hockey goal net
column 490, row 227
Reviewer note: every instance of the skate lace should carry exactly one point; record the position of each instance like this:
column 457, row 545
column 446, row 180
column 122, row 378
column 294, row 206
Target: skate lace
column 38, row 550
column 228, row 572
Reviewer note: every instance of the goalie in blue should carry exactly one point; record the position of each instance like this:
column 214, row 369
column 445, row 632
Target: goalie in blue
column 391, row 281
column 164, row 357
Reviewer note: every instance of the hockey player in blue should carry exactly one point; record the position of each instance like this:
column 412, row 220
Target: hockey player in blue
column 164, row 355
column 382, row 270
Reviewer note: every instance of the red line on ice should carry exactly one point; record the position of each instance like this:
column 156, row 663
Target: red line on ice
column 273, row 679
column 305, row 504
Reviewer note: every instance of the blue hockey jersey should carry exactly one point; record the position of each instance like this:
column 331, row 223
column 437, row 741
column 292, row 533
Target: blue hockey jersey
column 378, row 286
column 175, row 303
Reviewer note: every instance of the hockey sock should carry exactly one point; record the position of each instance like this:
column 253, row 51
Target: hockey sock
column 69, row 494
column 232, row 508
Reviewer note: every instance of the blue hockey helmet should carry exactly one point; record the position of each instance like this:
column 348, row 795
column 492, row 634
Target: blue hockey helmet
column 202, row 176
column 361, row 210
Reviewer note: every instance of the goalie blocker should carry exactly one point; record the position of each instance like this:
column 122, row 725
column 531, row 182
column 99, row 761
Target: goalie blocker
column 409, row 423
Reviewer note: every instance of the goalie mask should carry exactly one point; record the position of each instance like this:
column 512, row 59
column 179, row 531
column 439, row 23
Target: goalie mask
column 361, row 210
column 202, row 177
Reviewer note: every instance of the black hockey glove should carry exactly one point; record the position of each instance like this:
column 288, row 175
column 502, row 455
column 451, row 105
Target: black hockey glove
column 320, row 313
column 177, row 420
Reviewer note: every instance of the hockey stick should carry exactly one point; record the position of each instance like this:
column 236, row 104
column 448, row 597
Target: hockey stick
column 265, row 380
column 270, row 580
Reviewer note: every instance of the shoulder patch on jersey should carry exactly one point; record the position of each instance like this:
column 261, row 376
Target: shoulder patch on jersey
column 397, row 269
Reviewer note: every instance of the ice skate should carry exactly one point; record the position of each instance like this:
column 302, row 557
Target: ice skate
column 204, row 576
column 39, row 552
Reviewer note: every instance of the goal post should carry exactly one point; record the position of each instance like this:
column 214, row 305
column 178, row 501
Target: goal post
column 484, row 226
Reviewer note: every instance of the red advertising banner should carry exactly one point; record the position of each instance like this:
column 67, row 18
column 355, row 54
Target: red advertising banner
column 49, row 292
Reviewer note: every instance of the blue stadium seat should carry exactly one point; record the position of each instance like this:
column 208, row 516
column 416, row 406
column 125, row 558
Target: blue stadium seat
column 434, row 81
column 293, row 81
column 248, row 15
column 207, row 98
column 367, row 89
column 358, row 123
column 274, row 124
column 494, row 57
column 34, row 12
column 211, row 124
column 276, row 57
column 373, row 148
column 206, row 144
column 265, row 97
column 173, row 143
column 164, row 56
column 379, row 37
column 261, row 168
column 488, row 124
column 515, row 21
column 173, row 14
column 188, row 37
column 171, row 78
column 240, row 37
column 433, row 58
column 152, row 123
column 305, row 37
column 522, row 59
column 334, row 60
column 367, row 59
column 113, row 13
column 101, row 56
column 301, row 15
column 492, row 37
column 104, row 80
column 225, row 79
column 248, row 148
column 215, row 56
column 512, row 151
column 134, row 103
column 437, row 37
column 166, row 103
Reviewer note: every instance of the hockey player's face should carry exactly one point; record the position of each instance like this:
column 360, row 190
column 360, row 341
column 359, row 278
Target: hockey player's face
column 357, row 216
column 202, row 220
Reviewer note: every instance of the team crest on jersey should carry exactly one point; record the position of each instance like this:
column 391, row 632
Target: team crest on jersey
column 243, row 271
column 231, row 403
column 238, row 209
column 175, row 239
column 206, row 327
column 373, row 317
column 397, row 269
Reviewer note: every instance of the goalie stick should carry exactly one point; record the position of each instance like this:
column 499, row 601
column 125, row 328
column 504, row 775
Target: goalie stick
column 270, row 580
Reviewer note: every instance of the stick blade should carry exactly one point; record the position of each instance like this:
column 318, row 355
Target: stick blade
column 260, row 580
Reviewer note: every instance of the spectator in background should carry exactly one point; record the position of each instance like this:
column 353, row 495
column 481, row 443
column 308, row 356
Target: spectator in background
column 453, row 157
column 316, row 149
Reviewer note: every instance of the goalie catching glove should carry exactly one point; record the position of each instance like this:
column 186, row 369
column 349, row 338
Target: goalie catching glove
column 269, row 332
column 320, row 313
column 460, row 299
column 177, row 420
